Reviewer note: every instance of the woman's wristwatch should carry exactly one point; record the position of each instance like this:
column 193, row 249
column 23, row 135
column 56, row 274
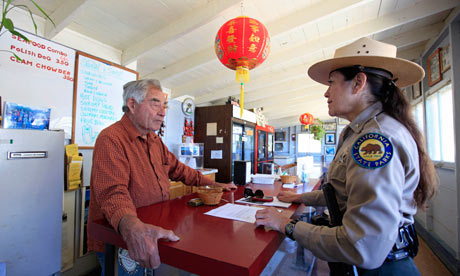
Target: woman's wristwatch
column 289, row 228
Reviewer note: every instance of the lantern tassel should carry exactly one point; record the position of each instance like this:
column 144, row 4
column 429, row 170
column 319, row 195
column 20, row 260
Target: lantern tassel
column 242, row 76
column 242, row 100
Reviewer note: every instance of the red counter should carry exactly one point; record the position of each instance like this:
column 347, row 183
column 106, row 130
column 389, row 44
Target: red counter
column 209, row 245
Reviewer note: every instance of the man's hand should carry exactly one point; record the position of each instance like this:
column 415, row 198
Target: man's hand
column 289, row 197
column 270, row 217
column 226, row 187
column 142, row 240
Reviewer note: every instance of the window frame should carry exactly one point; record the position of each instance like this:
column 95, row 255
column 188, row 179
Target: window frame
column 431, row 91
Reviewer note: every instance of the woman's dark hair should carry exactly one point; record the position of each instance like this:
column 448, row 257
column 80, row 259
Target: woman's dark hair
column 396, row 105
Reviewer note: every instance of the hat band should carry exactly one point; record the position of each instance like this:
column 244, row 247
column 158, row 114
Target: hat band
column 371, row 70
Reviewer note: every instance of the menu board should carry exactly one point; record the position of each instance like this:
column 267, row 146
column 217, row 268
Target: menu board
column 98, row 97
column 42, row 76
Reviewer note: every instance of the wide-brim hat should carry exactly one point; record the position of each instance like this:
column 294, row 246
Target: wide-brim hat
column 369, row 53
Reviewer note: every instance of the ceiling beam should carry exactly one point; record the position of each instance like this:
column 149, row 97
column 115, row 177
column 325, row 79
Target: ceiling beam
column 294, row 97
column 386, row 22
column 185, row 24
column 63, row 16
column 300, row 18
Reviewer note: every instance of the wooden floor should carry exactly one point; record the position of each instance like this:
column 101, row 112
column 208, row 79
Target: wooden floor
column 286, row 262
column 427, row 263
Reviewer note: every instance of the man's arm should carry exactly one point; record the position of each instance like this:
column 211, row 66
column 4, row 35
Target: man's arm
column 142, row 240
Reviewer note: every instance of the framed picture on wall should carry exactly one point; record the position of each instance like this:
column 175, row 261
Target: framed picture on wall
column 280, row 136
column 329, row 150
column 329, row 138
column 330, row 126
column 279, row 147
column 434, row 68
column 445, row 58
column 416, row 90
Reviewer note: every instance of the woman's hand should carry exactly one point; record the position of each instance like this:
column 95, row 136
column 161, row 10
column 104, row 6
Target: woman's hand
column 270, row 217
column 289, row 197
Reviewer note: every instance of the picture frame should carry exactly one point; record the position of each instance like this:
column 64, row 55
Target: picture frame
column 330, row 126
column 434, row 67
column 25, row 117
column 329, row 138
column 329, row 150
column 279, row 147
column 445, row 58
column 280, row 136
column 416, row 90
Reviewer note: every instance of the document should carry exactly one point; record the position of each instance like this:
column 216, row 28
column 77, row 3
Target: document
column 235, row 212
column 274, row 203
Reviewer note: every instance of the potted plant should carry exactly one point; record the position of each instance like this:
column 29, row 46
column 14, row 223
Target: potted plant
column 6, row 22
column 317, row 129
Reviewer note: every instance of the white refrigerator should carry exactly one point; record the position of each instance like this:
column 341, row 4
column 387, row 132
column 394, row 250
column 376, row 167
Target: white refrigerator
column 31, row 191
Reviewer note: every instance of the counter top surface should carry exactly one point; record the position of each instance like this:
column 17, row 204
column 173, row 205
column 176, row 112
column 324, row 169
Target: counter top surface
column 208, row 245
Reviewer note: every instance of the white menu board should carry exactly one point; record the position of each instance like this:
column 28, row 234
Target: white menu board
column 98, row 97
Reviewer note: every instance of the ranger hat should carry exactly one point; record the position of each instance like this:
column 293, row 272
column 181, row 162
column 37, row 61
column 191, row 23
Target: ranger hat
column 369, row 53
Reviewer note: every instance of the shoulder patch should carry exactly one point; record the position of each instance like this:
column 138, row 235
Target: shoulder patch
column 372, row 151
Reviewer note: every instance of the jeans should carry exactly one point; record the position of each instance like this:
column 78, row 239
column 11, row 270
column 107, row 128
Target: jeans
column 140, row 271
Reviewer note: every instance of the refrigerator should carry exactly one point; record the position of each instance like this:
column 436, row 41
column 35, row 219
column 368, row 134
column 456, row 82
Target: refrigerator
column 31, row 195
column 242, row 144
column 265, row 147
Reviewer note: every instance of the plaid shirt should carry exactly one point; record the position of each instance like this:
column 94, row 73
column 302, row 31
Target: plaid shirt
column 130, row 171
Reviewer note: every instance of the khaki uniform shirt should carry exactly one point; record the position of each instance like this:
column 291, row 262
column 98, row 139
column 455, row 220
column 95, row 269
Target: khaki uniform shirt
column 375, row 201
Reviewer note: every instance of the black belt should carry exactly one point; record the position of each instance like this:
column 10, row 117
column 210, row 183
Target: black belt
column 406, row 245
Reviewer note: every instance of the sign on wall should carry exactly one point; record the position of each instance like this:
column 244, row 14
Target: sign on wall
column 43, row 76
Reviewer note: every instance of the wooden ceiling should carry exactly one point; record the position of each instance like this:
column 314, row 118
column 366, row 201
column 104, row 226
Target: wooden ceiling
column 173, row 41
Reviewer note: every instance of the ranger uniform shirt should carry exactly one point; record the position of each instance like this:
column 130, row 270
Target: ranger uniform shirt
column 375, row 201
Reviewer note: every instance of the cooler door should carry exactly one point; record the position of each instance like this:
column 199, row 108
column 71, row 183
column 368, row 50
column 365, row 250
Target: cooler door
column 248, row 145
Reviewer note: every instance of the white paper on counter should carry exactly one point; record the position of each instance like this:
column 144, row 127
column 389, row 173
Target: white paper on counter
column 274, row 203
column 235, row 212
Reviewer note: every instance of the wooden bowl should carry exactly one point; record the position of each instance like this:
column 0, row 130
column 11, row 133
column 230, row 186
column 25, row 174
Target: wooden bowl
column 210, row 195
column 288, row 179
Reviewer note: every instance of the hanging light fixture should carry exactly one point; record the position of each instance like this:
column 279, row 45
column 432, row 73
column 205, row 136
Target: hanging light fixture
column 306, row 119
column 242, row 44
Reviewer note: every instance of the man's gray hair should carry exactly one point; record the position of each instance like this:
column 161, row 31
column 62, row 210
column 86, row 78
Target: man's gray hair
column 138, row 90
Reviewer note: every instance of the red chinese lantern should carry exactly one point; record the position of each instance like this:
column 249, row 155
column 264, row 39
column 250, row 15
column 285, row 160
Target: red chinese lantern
column 306, row 119
column 242, row 44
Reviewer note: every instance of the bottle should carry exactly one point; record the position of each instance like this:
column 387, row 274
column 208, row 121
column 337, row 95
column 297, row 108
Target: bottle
column 304, row 175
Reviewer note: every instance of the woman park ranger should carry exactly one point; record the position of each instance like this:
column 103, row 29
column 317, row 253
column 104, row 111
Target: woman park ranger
column 381, row 172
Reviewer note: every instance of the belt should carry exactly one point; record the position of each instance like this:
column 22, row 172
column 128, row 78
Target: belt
column 406, row 245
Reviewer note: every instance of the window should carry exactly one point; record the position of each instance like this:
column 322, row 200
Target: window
column 417, row 113
column 308, row 144
column 440, row 125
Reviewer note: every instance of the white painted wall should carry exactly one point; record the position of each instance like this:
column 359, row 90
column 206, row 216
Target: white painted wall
column 67, row 37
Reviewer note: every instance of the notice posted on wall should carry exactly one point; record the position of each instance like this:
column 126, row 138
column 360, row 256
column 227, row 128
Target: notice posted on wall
column 38, row 72
column 216, row 154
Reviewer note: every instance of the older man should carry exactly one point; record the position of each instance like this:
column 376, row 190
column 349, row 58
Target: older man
column 132, row 168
